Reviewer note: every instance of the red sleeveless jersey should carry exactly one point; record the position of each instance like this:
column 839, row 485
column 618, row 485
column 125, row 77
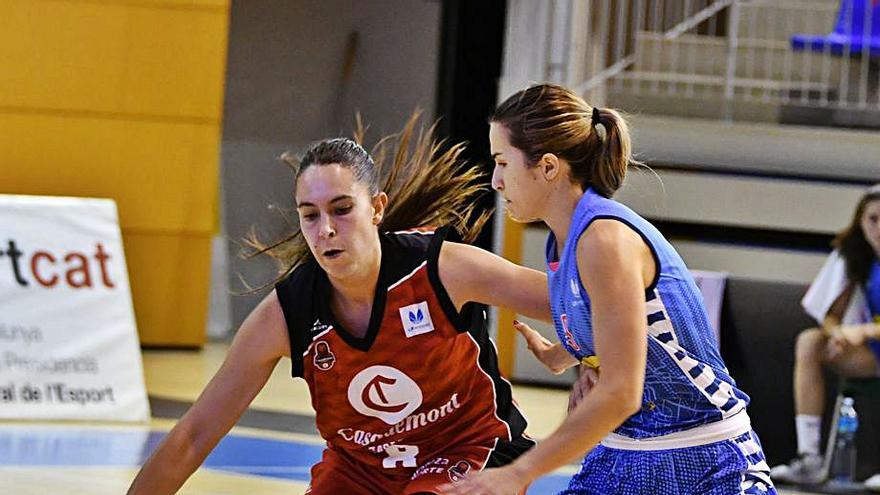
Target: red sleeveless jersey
column 424, row 377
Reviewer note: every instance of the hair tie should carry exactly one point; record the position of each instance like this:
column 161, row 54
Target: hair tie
column 598, row 126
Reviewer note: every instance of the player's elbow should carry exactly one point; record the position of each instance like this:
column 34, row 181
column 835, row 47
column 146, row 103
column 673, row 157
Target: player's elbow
column 631, row 403
column 189, row 445
column 627, row 399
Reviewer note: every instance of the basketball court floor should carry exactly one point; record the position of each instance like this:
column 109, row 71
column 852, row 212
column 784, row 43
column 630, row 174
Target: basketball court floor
column 269, row 452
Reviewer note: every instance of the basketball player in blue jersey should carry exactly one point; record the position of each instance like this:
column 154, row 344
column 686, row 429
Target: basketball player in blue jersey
column 664, row 415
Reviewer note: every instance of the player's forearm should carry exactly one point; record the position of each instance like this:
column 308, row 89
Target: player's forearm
column 168, row 468
column 863, row 330
column 871, row 330
column 585, row 427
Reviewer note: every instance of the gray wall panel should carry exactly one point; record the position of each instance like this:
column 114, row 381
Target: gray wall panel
column 743, row 201
column 286, row 87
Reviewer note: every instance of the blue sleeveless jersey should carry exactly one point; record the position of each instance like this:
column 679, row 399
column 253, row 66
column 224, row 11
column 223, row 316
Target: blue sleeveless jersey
column 872, row 290
column 686, row 381
column 872, row 294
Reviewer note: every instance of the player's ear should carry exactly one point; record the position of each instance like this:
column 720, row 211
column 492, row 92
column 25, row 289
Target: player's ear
column 380, row 201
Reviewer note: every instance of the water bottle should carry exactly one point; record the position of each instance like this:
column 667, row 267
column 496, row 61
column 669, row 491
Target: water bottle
column 843, row 460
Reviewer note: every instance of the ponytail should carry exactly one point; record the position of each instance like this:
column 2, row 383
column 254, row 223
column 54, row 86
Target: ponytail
column 551, row 119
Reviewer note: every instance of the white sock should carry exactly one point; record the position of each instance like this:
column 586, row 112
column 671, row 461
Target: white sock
column 808, row 428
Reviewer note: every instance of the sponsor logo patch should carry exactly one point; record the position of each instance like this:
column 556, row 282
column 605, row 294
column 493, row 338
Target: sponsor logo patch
column 416, row 319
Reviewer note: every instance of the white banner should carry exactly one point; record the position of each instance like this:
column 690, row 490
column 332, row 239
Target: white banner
column 68, row 340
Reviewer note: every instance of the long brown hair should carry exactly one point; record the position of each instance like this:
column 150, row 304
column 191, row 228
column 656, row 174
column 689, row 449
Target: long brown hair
column 853, row 246
column 547, row 118
column 427, row 182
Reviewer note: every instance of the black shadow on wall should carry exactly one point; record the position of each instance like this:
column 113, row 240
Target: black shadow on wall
column 472, row 45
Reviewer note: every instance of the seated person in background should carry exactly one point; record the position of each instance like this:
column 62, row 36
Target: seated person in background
column 845, row 300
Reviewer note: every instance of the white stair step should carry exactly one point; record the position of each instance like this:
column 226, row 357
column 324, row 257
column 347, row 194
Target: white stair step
column 700, row 105
column 779, row 20
column 710, row 87
column 756, row 59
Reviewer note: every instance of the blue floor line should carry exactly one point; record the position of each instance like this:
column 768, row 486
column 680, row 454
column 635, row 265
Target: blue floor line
column 281, row 459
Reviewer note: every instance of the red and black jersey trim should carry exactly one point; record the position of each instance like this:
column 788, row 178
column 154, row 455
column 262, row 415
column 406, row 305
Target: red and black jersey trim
column 304, row 295
column 460, row 321
column 295, row 294
column 473, row 319
column 478, row 328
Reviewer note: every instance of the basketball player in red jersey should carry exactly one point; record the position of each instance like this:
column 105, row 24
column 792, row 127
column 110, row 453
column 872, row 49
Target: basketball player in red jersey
column 382, row 325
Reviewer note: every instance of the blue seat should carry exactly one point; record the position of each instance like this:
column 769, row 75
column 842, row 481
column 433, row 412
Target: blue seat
column 851, row 33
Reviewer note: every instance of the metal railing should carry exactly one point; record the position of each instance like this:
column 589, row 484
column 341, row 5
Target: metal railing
column 730, row 51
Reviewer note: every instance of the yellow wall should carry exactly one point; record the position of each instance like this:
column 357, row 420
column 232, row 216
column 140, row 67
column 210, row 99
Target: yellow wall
column 511, row 248
column 123, row 99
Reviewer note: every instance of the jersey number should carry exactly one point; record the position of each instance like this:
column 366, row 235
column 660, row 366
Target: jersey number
column 405, row 455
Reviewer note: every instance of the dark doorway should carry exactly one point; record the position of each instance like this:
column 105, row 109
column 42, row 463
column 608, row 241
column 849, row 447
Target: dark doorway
column 472, row 45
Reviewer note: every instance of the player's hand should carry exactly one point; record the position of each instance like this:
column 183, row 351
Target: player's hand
column 853, row 334
column 498, row 481
column 838, row 343
column 553, row 356
column 585, row 382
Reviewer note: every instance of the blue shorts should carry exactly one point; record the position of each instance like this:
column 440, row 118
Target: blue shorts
column 735, row 466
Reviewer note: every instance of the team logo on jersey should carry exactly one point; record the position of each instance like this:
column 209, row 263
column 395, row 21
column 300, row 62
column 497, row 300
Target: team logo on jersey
column 416, row 319
column 384, row 392
column 324, row 358
column 569, row 337
column 458, row 471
